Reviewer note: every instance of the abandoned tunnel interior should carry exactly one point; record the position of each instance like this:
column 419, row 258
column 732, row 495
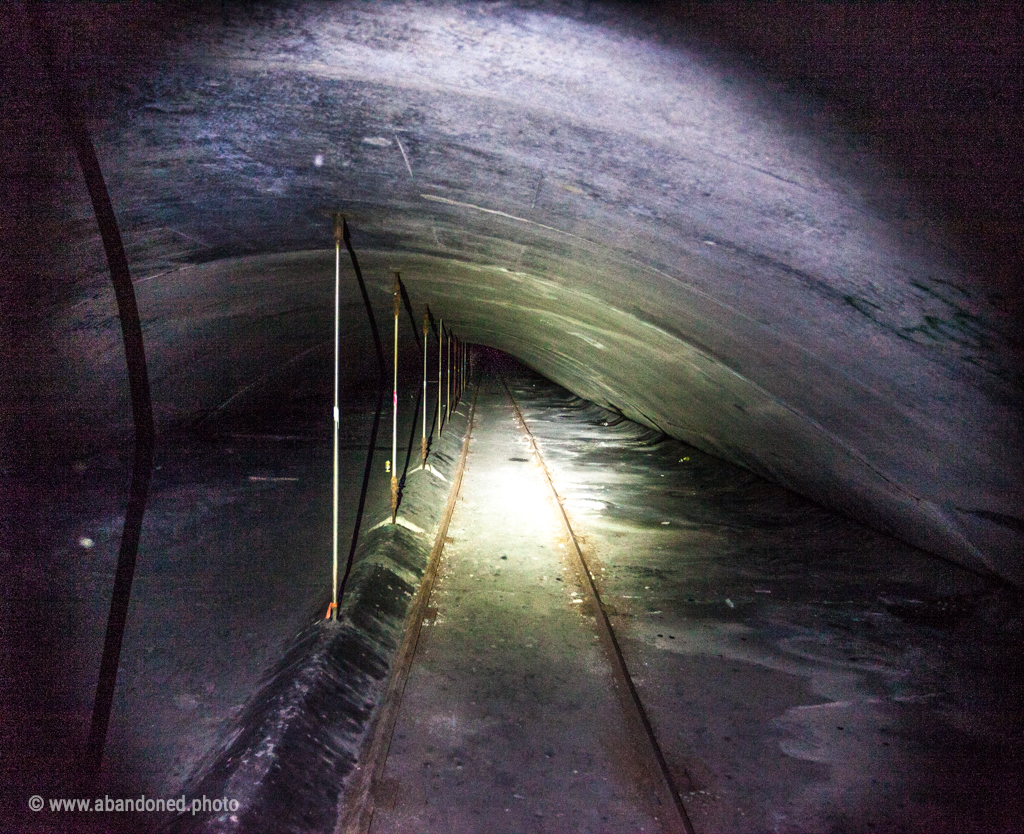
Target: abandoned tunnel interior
column 711, row 519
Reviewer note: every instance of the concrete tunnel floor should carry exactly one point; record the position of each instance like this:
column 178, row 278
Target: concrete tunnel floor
column 802, row 672
column 786, row 233
column 509, row 719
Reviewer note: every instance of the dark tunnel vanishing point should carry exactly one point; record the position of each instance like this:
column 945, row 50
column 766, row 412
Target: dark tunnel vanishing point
column 788, row 234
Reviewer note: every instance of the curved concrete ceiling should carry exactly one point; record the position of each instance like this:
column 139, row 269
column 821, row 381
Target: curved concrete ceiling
column 733, row 256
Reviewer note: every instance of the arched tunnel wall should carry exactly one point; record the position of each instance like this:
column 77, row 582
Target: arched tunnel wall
column 219, row 329
column 608, row 193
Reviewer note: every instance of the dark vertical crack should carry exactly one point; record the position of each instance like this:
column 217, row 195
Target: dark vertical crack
column 138, row 384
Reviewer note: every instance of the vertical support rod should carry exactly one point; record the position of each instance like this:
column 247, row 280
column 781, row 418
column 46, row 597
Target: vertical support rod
column 448, row 381
column 394, row 408
column 423, row 439
column 337, row 418
column 378, row 410
column 440, row 366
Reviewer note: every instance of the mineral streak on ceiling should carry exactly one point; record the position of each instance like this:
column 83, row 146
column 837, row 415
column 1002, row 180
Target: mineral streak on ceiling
column 796, row 268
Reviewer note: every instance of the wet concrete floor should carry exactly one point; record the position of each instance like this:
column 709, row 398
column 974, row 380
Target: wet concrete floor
column 509, row 719
column 802, row 672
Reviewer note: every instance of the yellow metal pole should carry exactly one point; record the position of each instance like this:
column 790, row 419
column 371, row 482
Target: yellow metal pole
column 440, row 365
column 423, row 439
column 394, row 409
column 337, row 342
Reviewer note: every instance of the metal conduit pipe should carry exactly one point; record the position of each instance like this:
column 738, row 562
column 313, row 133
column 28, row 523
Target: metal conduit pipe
column 139, row 390
column 440, row 366
column 448, row 379
column 423, row 439
column 367, row 469
column 394, row 408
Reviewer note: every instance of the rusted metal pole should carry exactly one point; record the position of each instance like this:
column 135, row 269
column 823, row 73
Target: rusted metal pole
column 333, row 611
column 423, row 439
column 455, row 371
column 371, row 317
column 394, row 408
column 440, row 365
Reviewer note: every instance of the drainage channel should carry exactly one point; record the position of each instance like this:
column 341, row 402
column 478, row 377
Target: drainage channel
column 511, row 707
